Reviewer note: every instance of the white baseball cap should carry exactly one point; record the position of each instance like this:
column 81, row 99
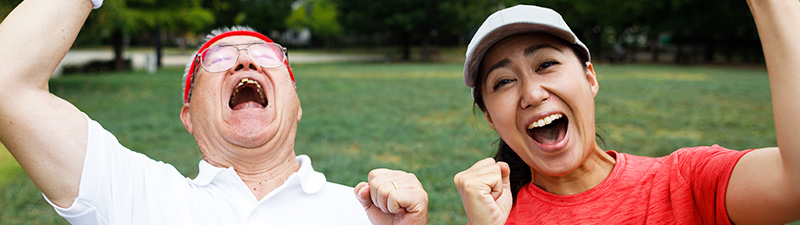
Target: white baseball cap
column 510, row 21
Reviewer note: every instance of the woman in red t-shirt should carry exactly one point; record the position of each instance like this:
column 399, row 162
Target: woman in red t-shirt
column 534, row 81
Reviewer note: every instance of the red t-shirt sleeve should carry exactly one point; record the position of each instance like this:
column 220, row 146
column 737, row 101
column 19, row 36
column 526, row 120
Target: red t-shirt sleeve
column 707, row 171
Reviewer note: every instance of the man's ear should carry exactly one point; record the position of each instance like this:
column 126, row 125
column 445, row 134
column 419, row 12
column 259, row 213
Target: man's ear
column 186, row 117
column 592, row 77
column 299, row 113
column 489, row 119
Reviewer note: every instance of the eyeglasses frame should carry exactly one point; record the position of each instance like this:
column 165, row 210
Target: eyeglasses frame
column 199, row 55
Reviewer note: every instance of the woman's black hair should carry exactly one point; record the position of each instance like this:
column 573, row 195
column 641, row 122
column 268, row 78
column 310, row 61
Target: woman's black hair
column 520, row 171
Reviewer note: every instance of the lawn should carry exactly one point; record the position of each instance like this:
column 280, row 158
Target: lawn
column 416, row 117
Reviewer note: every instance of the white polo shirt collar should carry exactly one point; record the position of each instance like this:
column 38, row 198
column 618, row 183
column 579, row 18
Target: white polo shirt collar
column 311, row 181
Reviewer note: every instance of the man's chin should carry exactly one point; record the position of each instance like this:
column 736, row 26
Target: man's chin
column 249, row 139
column 249, row 131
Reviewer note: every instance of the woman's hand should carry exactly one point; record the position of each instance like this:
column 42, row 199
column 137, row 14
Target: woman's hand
column 393, row 197
column 485, row 190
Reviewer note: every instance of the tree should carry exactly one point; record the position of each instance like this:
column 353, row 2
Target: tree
column 318, row 15
column 262, row 15
column 407, row 22
column 705, row 26
column 120, row 17
column 6, row 6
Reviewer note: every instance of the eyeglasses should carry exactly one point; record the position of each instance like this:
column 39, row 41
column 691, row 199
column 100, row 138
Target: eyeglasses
column 222, row 57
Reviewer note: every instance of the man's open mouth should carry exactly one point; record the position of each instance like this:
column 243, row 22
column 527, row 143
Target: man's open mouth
column 248, row 94
column 549, row 130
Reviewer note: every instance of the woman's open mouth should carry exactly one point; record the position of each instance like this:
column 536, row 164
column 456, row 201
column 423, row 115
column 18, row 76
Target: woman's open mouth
column 248, row 94
column 550, row 130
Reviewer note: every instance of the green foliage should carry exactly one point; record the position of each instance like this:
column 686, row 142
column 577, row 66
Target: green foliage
column 6, row 6
column 263, row 15
column 723, row 26
column 318, row 15
column 417, row 117
column 407, row 22
column 141, row 15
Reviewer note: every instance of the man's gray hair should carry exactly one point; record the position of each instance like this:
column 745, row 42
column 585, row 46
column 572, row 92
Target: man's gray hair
column 207, row 38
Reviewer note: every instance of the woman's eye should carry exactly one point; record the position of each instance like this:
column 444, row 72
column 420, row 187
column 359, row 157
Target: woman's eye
column 501, row 83
column 547, row 64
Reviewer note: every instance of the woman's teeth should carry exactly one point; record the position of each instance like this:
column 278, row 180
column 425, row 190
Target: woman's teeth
column 545, row 121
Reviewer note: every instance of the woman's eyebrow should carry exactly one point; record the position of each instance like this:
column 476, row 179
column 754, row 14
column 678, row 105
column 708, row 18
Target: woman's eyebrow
column 531, row 50
column 528, row 51
column 503, row 63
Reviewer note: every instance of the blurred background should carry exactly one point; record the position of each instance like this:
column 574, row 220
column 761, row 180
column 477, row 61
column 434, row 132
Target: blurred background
column 381, row 82
column 671, row 31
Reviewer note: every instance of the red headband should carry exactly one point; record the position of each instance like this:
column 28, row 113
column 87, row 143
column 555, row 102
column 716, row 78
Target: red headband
column 192, row 68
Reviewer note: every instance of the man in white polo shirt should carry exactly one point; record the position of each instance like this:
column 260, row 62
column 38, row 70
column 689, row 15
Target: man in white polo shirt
column 241, row 106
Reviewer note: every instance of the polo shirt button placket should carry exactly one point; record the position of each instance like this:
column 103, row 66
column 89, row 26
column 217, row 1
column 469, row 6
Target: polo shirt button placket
column 255, row 219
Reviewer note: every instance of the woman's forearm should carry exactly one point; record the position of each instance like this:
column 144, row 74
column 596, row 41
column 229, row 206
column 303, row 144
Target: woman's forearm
column 778, row 23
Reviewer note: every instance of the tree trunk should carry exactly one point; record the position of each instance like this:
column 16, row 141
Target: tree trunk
column 709, row 53
column 655, row 46
column 117, row 43
column 406, row 47
column 159, row 48
column 427, row 51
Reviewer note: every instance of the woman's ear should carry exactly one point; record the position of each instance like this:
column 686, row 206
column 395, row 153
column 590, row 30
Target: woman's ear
column 591, row 76
column 489, row 119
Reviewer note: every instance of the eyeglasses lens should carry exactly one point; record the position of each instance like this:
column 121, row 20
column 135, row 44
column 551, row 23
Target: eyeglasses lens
column 220, row 58
column 267, row 55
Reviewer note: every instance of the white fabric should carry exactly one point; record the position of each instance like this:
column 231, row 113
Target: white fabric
column 97, row 3
column 119, row 186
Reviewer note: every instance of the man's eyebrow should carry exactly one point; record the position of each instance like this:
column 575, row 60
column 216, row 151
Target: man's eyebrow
column 531, row 50
column 503, row 63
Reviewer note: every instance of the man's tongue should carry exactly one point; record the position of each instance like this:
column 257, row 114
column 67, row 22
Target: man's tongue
column 247, row 97
column 247, row 105
column 550, row 134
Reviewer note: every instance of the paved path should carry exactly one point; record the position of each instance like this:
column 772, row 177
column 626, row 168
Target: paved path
column 141, row 60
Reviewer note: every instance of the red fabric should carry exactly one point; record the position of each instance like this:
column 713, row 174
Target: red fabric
column 685, row 187
column 194, row 65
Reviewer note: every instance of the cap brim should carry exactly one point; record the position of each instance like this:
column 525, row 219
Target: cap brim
column 474, row 60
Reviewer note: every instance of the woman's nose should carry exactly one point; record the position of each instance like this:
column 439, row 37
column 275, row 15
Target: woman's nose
column 532, row 94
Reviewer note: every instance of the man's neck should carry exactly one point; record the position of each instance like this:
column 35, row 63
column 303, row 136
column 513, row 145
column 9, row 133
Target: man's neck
column 262, row 174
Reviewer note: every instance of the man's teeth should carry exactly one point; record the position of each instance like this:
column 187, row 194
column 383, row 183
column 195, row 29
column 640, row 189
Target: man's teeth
column 246, row 81
column 545, row 121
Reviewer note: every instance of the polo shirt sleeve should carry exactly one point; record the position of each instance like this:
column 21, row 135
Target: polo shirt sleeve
column 114, row 182
column 707, row 171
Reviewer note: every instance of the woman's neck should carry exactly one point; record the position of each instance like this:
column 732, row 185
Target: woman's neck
column 591, row 173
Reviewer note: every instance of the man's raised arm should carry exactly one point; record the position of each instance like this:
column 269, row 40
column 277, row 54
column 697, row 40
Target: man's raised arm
column 46, row 134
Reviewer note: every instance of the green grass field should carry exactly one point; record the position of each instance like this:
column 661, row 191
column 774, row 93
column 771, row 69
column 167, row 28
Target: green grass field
column 416, row 117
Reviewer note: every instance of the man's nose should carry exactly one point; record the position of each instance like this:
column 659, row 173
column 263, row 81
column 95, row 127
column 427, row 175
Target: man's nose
column 244, row 61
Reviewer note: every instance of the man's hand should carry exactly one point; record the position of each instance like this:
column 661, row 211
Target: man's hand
column 485, row 190
column 393, row 197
